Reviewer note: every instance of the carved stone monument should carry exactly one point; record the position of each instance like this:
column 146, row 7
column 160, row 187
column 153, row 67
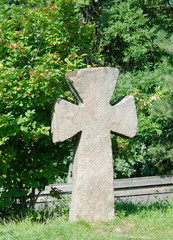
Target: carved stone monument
column 94, row 119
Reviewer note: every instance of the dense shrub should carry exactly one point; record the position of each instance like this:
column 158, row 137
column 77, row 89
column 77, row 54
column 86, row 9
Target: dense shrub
column 136, row 36
column 39, row 44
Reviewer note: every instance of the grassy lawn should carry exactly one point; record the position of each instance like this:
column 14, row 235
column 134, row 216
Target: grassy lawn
column 153, row 221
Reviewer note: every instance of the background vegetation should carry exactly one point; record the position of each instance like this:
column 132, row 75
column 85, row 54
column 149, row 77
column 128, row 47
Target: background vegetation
column 39, row 43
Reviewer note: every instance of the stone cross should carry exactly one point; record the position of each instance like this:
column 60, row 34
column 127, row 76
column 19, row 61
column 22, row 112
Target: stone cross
column 93, row 119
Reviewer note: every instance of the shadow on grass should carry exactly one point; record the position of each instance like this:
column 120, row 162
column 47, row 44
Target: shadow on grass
column 39, row 215
column 124, row 209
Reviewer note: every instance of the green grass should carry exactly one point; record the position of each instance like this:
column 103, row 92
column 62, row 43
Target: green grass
column 131, row 222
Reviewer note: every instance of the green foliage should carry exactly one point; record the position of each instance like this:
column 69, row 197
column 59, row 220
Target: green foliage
column 136, row 37
column 126, row 31
column 128, row 34
column 150, row 152
column 39, row 44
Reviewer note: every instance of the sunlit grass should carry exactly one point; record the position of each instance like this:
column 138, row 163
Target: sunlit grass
column 152, row 221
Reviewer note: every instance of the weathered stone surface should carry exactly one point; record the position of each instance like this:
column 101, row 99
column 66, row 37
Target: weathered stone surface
column 93, row 119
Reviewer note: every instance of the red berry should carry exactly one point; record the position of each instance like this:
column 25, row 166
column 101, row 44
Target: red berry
column 71, row 55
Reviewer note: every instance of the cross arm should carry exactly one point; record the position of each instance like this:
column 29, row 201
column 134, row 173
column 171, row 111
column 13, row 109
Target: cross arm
column 64, row 120
column 124, row 118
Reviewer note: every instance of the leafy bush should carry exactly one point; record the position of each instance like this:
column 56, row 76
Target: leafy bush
column 150, row 152
column 39, row 44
